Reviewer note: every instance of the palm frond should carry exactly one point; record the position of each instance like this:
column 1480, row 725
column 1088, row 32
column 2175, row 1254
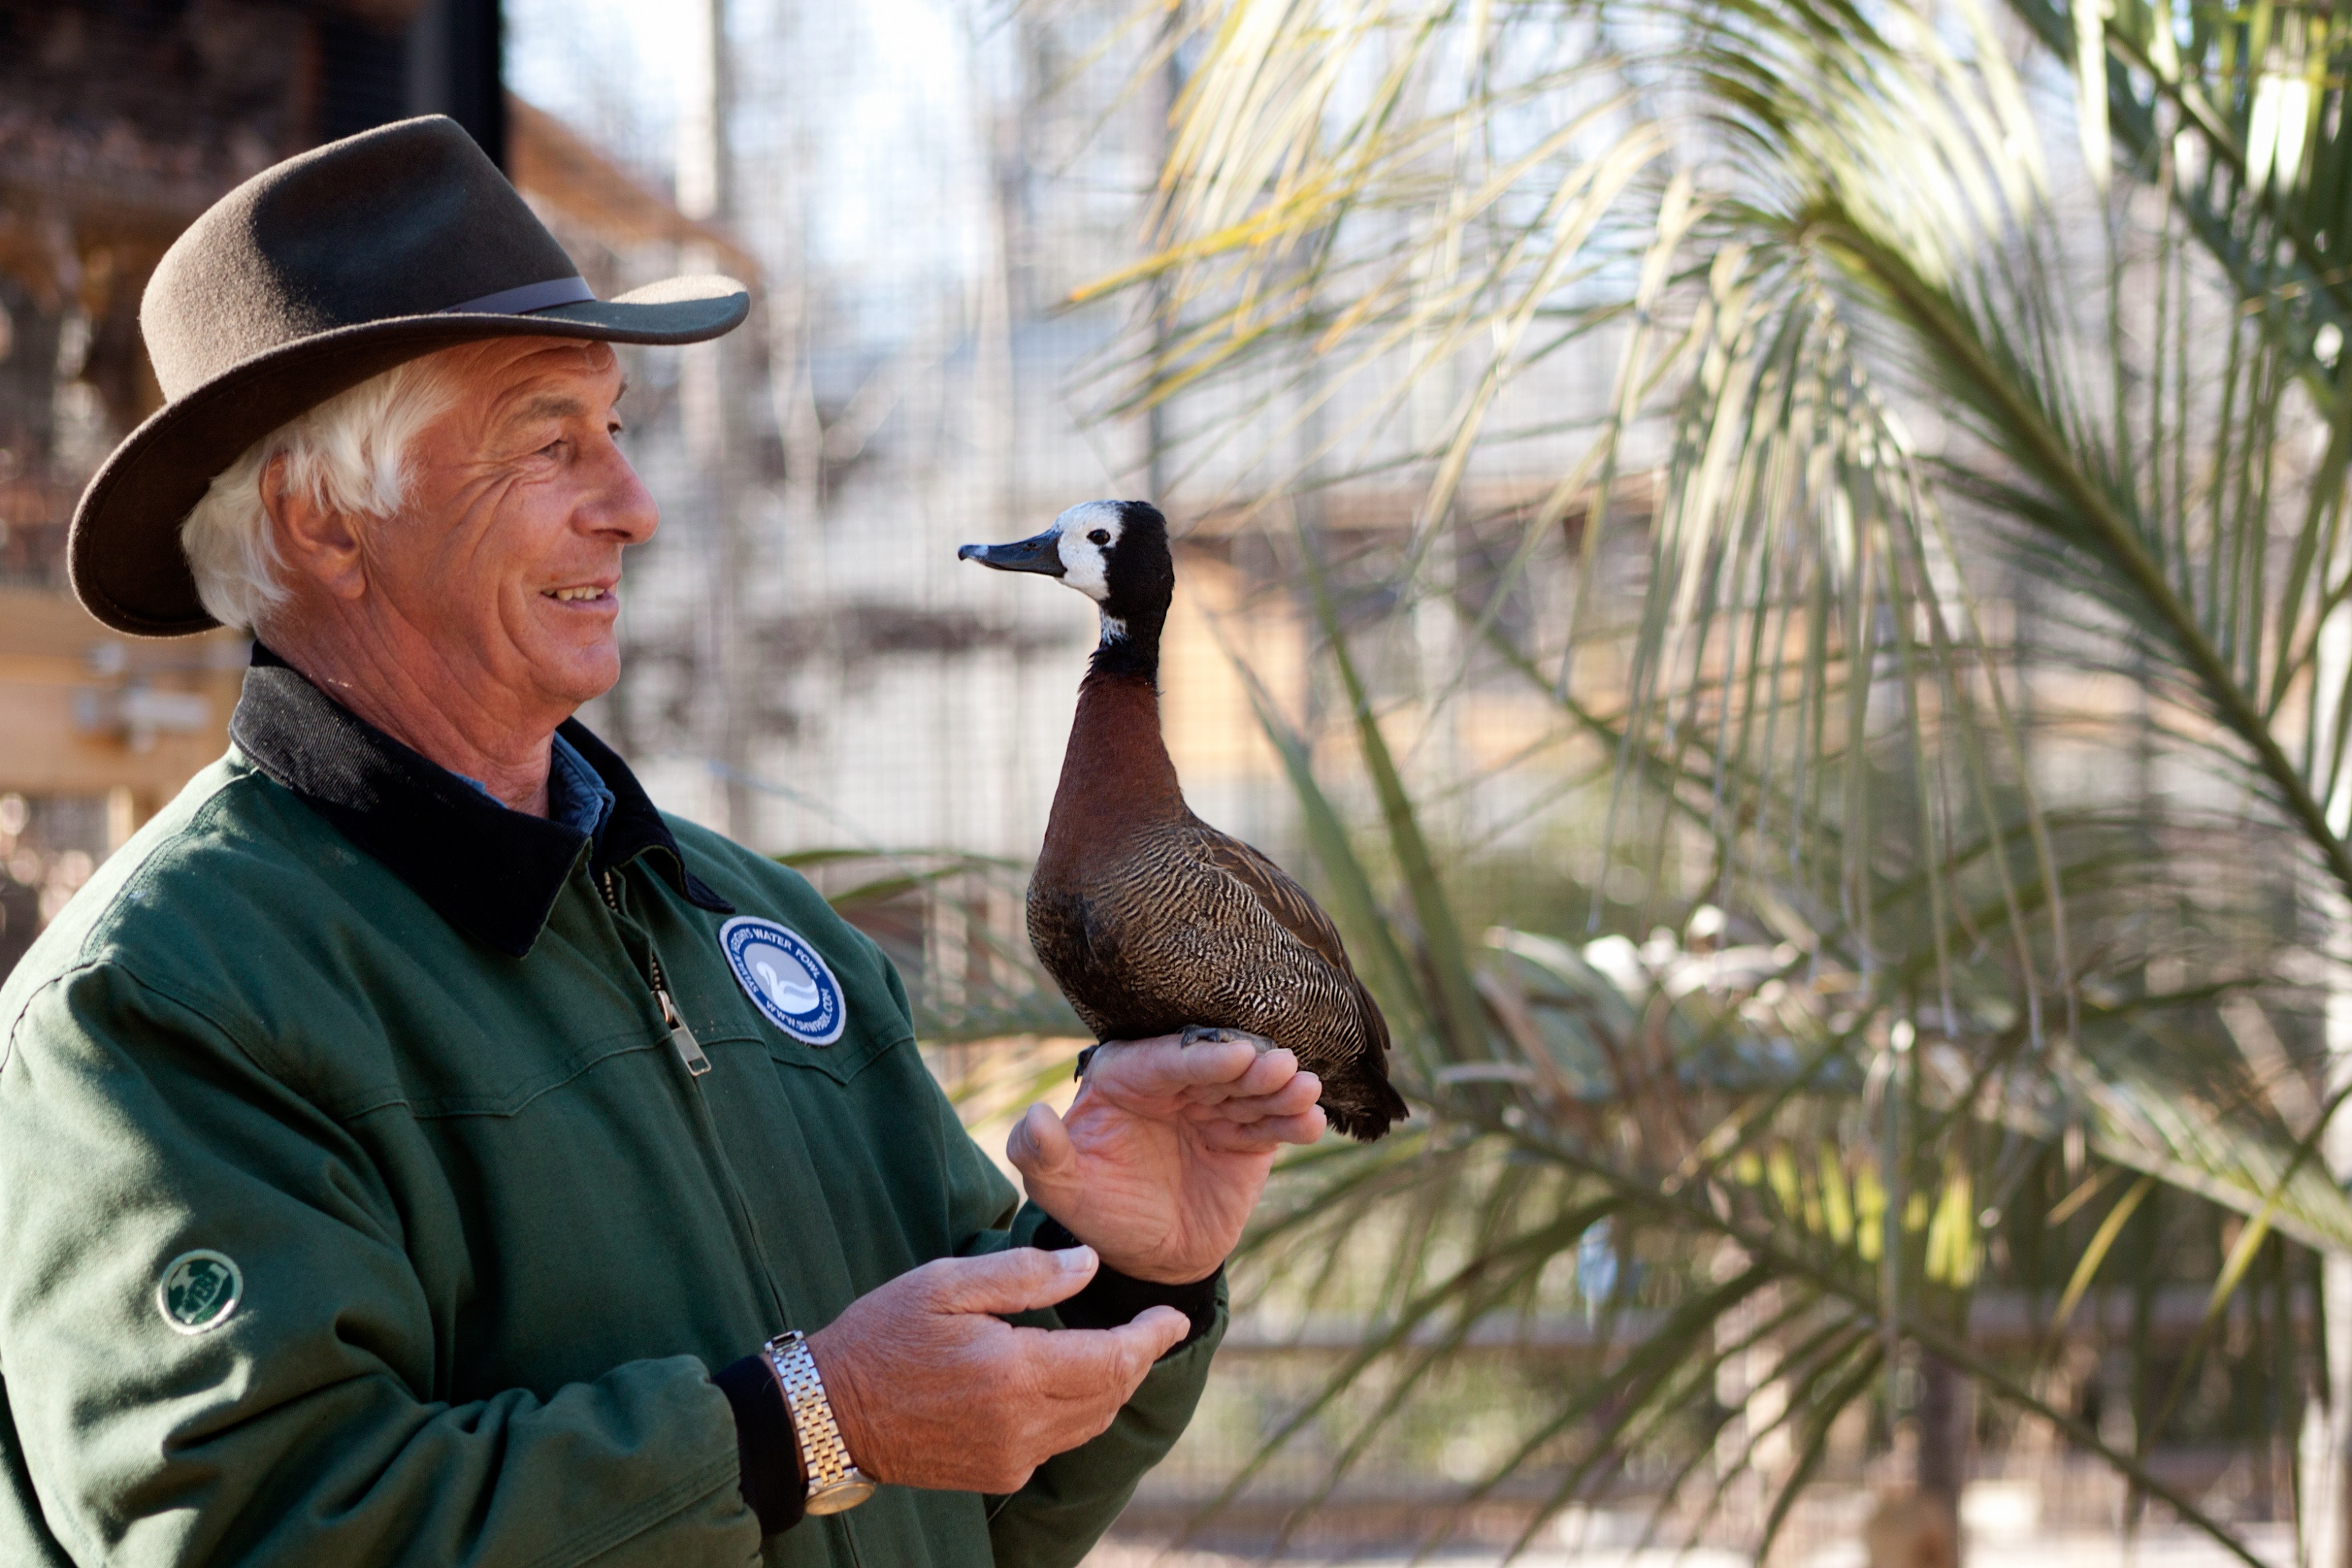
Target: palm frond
column 1939, row 543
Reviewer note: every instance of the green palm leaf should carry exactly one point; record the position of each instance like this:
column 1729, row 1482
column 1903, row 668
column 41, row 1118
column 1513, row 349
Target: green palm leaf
column 1948, row 571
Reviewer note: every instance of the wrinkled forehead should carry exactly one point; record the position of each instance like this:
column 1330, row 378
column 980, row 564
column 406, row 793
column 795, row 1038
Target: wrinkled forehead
column 506, row 362
column 1087, row 516
column 506, row 380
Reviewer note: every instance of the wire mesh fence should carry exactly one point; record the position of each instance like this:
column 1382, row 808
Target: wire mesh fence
column 924, row 195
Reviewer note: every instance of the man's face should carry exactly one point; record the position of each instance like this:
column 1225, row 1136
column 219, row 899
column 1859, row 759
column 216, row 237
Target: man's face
column 508, row 556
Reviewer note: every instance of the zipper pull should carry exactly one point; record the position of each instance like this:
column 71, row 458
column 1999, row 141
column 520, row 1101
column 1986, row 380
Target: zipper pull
column 681, row 1038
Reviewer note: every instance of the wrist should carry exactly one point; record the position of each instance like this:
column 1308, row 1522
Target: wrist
column 834, row 1483
column 849, row 1397
column 1052, row 1234
column 769, row 1473
column 1113, row 1298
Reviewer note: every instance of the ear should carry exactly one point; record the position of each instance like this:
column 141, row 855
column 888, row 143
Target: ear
column 317, row 542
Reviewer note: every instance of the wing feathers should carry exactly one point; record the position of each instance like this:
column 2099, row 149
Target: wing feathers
column 1297, row 914
column 1284, row 900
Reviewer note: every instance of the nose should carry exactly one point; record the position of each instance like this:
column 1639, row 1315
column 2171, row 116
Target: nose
column 621, row 507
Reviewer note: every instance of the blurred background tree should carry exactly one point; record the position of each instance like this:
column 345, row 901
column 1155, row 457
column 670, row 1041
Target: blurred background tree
column 1943, row 610
column 1782, row 578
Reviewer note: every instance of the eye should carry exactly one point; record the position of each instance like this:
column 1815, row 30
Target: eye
column 1101, row 536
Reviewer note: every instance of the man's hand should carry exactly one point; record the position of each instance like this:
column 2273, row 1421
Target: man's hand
column 1166, row 1150
column 930, row 1389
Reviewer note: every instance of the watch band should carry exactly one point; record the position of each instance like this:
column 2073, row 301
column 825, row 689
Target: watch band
column 834, row 1482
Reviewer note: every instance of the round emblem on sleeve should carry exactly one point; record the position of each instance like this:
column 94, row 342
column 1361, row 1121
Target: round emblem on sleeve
column 199, row 1290
column 785, row 978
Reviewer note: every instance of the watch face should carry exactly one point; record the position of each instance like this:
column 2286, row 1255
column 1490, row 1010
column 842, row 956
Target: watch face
column 841, row 1496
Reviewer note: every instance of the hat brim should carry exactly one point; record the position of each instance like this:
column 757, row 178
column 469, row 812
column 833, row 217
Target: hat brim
column 123, row 554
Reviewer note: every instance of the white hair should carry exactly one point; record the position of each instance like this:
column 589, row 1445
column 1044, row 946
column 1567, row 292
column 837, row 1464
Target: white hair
column 349, row 454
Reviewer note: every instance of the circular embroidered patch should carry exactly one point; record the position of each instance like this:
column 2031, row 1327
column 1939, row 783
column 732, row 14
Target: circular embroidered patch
column 199, row 1290
column 782, row 973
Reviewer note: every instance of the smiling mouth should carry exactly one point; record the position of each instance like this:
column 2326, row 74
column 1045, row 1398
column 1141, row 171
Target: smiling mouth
column 575, row 596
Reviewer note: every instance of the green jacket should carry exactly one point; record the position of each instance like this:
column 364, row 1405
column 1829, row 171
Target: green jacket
column 470, row 1238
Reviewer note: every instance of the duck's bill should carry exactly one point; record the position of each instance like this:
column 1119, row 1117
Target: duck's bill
column 1043, row 554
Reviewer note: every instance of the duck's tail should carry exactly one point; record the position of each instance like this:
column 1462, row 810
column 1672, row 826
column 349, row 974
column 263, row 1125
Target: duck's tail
column 1364, row 1108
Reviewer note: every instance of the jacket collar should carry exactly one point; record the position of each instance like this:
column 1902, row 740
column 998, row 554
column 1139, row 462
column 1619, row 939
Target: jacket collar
column 491, row 872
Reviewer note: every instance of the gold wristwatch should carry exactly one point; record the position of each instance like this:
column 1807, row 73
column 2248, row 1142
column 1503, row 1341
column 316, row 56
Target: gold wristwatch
column 835, row 1482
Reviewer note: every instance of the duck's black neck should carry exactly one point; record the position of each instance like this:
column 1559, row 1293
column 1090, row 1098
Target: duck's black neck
column 1131, row 643
column 1140, row 584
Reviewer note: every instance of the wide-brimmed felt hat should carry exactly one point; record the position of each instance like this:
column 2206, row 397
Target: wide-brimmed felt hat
column 307, row 279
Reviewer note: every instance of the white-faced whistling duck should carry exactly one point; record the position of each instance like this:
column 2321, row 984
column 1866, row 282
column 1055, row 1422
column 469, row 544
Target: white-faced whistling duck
column 1151, row 921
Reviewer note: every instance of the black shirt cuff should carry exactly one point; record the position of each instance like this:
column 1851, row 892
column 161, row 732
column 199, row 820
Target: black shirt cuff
column 1112, row 1299
column 764, row 1445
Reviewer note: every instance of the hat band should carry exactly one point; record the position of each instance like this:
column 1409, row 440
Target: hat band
column 528, row 298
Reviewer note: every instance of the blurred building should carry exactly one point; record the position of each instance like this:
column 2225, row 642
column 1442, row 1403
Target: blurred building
column 118, row 126
column 917, row 192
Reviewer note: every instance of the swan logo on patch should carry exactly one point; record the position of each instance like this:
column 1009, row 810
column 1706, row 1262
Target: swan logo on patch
column 785, row 977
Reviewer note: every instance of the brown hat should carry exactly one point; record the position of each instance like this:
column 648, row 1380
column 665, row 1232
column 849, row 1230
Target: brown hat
column 305, row 280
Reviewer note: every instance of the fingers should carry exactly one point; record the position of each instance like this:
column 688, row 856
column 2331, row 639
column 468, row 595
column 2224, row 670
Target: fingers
column 1269, row 1073
column 1271, row 1094
column 1166, row 1066
column 1293, row 1096
column 1093, row 1372
column 1293, row 1101
column 929, row 1393
column 1018, row 1279
column 1231, row 1078
column 1264, row 1135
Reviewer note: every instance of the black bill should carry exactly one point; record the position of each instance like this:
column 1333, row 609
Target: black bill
column 1043, row 553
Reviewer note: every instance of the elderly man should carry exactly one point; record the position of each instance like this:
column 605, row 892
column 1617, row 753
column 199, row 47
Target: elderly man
column 416, row 1148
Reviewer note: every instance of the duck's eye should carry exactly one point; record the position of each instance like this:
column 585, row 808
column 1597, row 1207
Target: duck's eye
column 1100, row 536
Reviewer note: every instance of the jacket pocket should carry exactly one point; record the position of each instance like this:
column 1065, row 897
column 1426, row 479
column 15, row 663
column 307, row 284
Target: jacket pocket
column 720, row 1014
column 842, row 1061
column 506, row 1095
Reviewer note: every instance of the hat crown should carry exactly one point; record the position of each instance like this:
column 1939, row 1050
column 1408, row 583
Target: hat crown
column 408, row 219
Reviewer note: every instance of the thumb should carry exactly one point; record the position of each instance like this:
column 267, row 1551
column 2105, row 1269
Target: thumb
column 1018, row 1279
column 1154, row 1332
column 1040, row 1149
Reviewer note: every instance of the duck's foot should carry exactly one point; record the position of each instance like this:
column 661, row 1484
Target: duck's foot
column 1205, row 1035
column 1085, row 1059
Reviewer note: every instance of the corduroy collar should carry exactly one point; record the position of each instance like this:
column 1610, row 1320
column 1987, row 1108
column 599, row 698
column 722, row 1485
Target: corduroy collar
column 491, row 872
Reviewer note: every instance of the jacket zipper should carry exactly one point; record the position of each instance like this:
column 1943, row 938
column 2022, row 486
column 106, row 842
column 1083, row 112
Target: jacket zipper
column 681, row 1038
column 690, row 1051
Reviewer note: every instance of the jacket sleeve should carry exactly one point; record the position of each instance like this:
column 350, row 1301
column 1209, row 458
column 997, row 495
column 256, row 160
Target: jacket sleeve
column 1073, row 1498
column 296, row 1428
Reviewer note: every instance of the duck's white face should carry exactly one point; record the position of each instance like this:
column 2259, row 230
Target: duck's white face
column 1085, row 536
